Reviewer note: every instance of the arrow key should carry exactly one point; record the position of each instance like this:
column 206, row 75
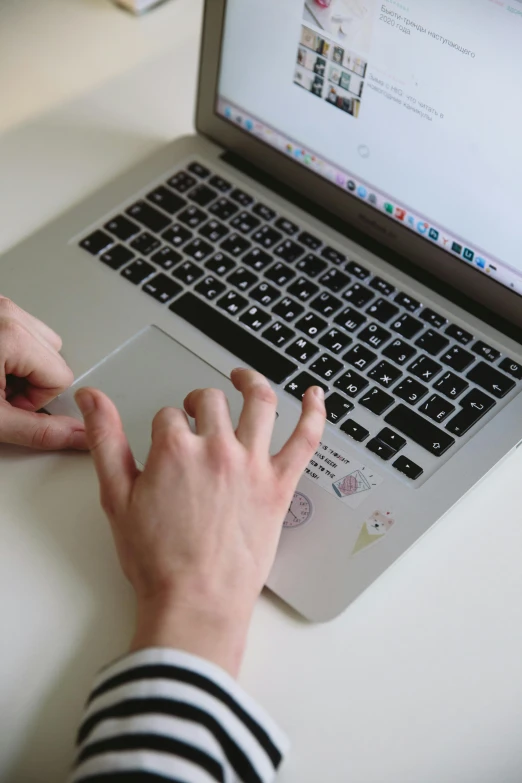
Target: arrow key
column 409, row 468
column 381, row 449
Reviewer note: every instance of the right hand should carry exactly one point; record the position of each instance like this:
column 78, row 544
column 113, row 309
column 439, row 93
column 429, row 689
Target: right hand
column 197, row 531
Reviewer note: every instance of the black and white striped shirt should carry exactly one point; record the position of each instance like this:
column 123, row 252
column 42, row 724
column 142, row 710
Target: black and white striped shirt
column 166, row 715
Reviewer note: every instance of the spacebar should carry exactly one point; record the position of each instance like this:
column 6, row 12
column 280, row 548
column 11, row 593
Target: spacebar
column 232, row 337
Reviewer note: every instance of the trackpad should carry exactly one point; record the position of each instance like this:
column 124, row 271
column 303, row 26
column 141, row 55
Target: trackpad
column 147, row 373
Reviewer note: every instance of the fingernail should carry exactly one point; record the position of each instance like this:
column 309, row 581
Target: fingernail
column 319, row 392
column 85, row 401
column 236, row 369
column 78, row 441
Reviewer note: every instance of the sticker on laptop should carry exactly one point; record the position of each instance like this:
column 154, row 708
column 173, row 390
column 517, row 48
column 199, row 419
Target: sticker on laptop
column 342, row 476
column 299, row 512
column 373, row 530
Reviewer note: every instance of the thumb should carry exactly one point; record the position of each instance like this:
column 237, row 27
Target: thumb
column 40, row 431
column 109, row 447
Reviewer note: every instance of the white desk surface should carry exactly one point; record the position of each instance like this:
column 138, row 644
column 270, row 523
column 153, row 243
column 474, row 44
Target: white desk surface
column 420, row 681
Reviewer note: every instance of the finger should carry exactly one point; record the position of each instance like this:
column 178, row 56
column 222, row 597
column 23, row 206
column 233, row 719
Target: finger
column 10, row 310
column 302, row 444
column 39, row 431
column 209, row 408
column 169, row 421
column 257, row 419
column 109, row 447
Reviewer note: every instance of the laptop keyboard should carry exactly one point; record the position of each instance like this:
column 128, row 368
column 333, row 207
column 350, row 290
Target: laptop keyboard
column 303, row 313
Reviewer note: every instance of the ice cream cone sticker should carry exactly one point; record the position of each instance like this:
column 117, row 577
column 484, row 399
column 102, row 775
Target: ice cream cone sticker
column 373, row 530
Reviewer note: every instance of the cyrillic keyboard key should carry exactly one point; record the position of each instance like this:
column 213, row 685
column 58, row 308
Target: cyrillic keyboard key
column 138, row 271
column 376, row 401
column 298, row 385
column 491, row 380
column 210, row 288
column 162, row 288
column 116, row 256
column 419, row 430
column 451, row 385
column 167, row 258
column 374, row 335
column 437, row 408
column 385, row 374
column 335, row 340
column 278, row 334
column 326, row 367
column 255, row 318
column 145, row 243
column 360, row 357
column 399, row 352
column 410, row 390
column 351, row 383
column 302, row 350
column 337, row 407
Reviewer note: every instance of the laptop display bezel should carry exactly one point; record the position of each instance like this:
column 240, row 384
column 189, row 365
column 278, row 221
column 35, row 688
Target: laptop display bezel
column 415, row 248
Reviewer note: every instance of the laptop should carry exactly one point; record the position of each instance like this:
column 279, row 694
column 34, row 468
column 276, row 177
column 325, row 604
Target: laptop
column 347, row 215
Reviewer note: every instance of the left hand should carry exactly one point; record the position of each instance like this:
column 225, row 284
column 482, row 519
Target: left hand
column 32, row 373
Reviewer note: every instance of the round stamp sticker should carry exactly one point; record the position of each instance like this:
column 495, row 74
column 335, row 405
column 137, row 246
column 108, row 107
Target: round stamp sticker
column 300, row 511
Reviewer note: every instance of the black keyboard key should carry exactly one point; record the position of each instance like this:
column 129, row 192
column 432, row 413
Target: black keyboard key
column 210, row 288
column 407, row 326
column 311, row 325
column 434, row 319
column 288, row 309
column 235, row 245
column 255, row 318
column 459, row 334
column 233, row 303
column 162, row 288
column 357, row 270
column 278, row 334
column 202, row 195
column 381, row 450
column 376, row 401
column 374, row 335
column 303, row 289
column 451, row 385
column 265, row 294
column 192, row 216
column 214, row 230
column 287, row 226
column 513, row 368
column 382, row 310
column 333, row 255
column 200, row 171
column 302, row 350
column 475, row 405
column 167, row 200
column 289, row 251
column 220, row 184
column 223, row 209
column 419, row 430
column 486, row 351
column 408, row 468
column 391, row 439
column 145, row 243
column 351, row 383
column 198, row 249
column 354, row 430
column 424, row 368
column 380, row 285
column 350, row 319
column 116, row 257
column 309, row 240
column 410, row 390
column 437, row 408
column 177, row 235
column 457, row 358
column 385, row 374
column 122, row 227
column 358, row 295
column 432, row 342
column 264, row 212
column 245, row 222
column 326, row 304
column 242, row 278
column 407, row 301
column 298, row 385
column 326, row 367
column 167, row 258
column 267, row 237
column 335, row 340
column 182, row 182
column 337, row 407
column 148, row 216
column 335, row 280
column 188, row 272
column 241, row 197
column 491, row 380
column 280, row 274
column 96, row 242
column 220, row 264
column 360, row 357
column 257, row 259
column 234, row 338
column 399, row 352
column 138, row 271
column 311, row 265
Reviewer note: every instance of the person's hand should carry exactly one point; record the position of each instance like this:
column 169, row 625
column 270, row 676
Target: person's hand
column 197, row 531
column 32, row 373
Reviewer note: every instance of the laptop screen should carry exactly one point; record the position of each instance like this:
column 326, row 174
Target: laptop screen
column 412, row 106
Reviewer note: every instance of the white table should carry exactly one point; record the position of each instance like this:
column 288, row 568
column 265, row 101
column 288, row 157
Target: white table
column 420, row 681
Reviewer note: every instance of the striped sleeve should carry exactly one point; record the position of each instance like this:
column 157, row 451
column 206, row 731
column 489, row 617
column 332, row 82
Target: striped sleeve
column 166, row 715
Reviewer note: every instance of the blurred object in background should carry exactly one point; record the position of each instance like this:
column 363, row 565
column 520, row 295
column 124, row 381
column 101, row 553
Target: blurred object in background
column 138, row 6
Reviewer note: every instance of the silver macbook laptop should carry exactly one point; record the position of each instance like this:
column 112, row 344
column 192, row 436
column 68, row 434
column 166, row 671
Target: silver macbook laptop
column 347, row 215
